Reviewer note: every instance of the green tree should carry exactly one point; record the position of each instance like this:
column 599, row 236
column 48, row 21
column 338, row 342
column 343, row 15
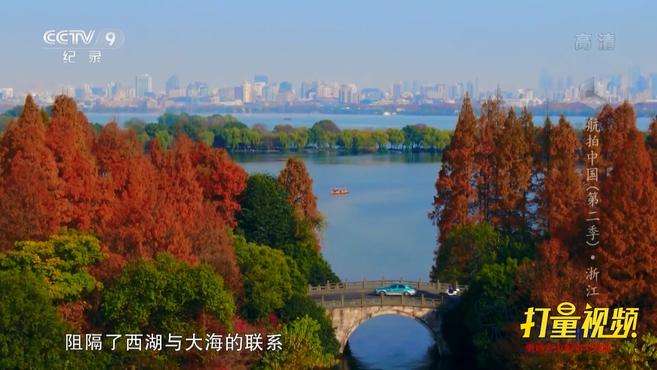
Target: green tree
column 346, row 140
column 311, row 263
column 32, row 334
column 638, row 354
column 301, row 348
column 300, row 305
column 491, row 308
column 413, row 135
column 165, row 295
column 270, row 278
column 381, row 139
column 266, row 216
column 324, row 134
column 395, row 137
column 465, row 250
column 62, row 260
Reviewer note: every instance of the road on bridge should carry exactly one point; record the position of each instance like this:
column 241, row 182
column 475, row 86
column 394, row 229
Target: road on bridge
column 362, row 293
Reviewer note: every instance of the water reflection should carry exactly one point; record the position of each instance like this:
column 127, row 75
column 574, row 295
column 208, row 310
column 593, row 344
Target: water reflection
column 392, row 342
column 380, row 229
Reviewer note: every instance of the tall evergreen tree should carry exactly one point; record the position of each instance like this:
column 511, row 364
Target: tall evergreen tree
column 299, row 185
column 30, row 189
column 561, row 199
column 455, row 200
column 628, row 235
column 70, row 138
column 526, row 121
column 489, row 122
column 615, row 125
column 511, row 175
column 561, row 205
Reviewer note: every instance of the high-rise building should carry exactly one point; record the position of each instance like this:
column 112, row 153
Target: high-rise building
column 68, row 91
column 305, row 90
column 470, row 89
column 284, row 87
column 371, row 94
column 197, row 89
column 172, row 86
column 258, row 90
column 83, row 92
column 348, row 94
column 397, row 90
column 246, row 91
column 261, row 78
column 6, row 93
column 143, row 85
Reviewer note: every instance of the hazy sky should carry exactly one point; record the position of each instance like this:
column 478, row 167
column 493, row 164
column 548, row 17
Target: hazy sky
column 372, row 43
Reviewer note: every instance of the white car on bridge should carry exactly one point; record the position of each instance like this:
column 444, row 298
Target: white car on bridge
column 396, row 289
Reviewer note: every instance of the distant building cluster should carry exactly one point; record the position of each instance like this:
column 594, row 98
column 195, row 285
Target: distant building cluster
column 261, row 92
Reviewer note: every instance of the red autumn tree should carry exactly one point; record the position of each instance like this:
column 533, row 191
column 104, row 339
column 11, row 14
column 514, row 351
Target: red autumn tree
column 561, row 199
column 454, row 203
column 488, row 124
column 179, row 198
column 561, row 203
column 222, row 180
column 628, row 235
column 615, row 125
column 70, row 138
column 557, row 276
column 29, row 186
column 299, row 185
column 211, row 243
column 455, row 200
column 131, row 179
column 511, row 174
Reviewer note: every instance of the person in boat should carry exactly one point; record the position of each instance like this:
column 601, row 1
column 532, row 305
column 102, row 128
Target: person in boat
column 339, row 191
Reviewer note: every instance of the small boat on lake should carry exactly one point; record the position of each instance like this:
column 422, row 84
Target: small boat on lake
column 339, row 191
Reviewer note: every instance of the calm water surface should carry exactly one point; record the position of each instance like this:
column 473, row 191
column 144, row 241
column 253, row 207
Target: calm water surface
column 380, row 229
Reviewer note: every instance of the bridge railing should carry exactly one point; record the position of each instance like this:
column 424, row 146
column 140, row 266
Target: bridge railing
column 369, row 301
column 366, row 285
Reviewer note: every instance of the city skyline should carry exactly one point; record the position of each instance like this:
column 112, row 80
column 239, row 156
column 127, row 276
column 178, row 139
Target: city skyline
column 367, row 43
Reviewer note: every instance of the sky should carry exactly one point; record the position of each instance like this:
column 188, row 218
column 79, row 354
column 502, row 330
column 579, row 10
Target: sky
column 371, row 43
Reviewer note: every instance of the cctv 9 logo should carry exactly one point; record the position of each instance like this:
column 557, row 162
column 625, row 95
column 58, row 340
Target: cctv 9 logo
column 83, row 39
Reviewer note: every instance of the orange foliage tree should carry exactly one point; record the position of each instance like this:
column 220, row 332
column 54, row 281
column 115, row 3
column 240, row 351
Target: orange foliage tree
column 30, row 189
column 454, row 203
column 561, row 198
column 455, row 200
column 628, row 236
column 512, row 171
column 70, row 138
column 180, row 200
column 221, row 179
column 299, row 185
column 561, row 203
column 488, row 124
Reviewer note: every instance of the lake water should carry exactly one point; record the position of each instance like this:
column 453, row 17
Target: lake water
column 342, row 120
column 379, row 230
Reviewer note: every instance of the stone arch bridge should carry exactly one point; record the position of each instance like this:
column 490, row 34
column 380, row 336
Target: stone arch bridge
column 349, row 304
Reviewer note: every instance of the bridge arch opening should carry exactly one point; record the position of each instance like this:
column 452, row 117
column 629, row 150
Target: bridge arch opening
column 381, row 341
